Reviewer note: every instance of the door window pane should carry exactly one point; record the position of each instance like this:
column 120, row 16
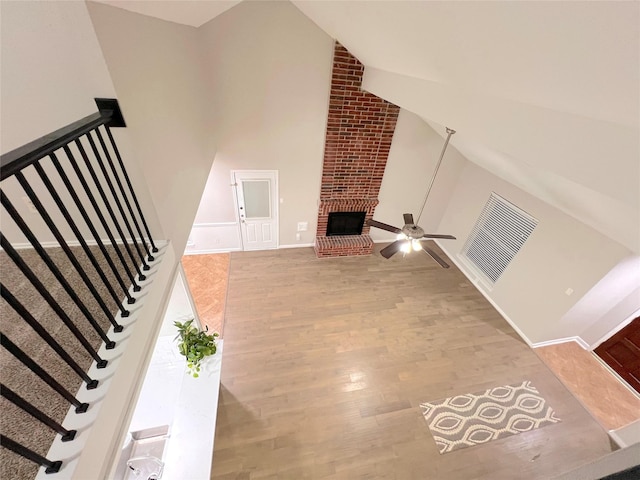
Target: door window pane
column 257, row 201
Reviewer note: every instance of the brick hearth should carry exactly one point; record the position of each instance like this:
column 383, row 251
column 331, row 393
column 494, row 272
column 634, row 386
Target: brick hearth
column 360, row 128
column 343, row 246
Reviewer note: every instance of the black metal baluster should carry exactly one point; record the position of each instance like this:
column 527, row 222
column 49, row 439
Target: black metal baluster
column 6, row 203
column 24, row 268
column 52, row 467
column 40, row 372
column 94, row 203
column 56, row 233
column 88, row 222
column 133, row 195
column 107, row 155
column 63, row 209
column 76, row 231
column 96, row 154
column 27, row 317
column 116, row 198
column 17, row 400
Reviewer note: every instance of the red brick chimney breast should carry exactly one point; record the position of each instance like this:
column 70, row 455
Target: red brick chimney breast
column 360, row 128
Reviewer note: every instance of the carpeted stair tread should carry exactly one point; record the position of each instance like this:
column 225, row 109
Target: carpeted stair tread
column 15, row 423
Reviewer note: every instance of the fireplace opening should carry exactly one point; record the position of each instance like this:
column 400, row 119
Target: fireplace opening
column 345, row 223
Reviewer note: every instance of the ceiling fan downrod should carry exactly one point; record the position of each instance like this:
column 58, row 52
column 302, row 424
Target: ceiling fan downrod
column 450, row 132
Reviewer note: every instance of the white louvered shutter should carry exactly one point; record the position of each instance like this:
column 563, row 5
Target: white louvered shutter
column 497, row 236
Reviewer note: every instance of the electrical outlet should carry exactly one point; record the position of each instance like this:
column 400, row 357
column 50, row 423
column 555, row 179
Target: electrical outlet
column 298, row 236
column 30, row 205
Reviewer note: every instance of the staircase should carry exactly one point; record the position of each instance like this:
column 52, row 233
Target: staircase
column 83, row 288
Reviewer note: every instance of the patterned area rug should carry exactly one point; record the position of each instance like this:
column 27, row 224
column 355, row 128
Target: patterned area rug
column 475, row 418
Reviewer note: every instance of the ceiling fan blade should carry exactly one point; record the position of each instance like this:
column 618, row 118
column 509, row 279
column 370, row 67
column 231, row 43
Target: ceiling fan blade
column 392, row 248
column 434, row 235
column 383, row 226
column 408, row 219
column 435, row 256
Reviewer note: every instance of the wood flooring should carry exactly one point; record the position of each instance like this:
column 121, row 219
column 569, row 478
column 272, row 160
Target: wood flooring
column 327, row 360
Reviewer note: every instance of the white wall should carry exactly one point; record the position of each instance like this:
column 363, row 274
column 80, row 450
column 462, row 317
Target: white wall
column 209, row 234
column 561, row 253
column 156, row 68
column 608, row 323
column 52, row 68
column 268, row 68
column 413, row 157
column 611, row 301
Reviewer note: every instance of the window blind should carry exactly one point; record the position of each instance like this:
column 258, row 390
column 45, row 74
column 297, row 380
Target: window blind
column 499, row 233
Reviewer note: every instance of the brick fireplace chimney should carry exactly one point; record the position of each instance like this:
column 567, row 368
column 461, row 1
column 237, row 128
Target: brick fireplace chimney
column 360, row 128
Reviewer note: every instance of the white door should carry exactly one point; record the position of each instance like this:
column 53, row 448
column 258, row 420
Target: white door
column 256, row 200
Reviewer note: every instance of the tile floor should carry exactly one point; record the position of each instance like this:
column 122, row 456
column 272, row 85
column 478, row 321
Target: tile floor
column 207, row 277
column 611, row 403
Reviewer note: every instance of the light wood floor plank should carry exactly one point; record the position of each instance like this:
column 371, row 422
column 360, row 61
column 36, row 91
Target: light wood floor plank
column 326, row 362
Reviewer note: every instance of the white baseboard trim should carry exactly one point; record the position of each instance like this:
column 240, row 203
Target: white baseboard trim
column 228, row 250
column 475, row 282
column 616, row 438
column 558, row 341
column 71, row 243
column 211, row 250
column 214, row 224
column 297, row 245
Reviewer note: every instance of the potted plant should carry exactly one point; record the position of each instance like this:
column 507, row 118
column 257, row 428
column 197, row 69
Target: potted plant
column 195, row 344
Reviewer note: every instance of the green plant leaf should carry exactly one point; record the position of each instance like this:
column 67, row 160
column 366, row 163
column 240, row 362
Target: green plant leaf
column 195, row 345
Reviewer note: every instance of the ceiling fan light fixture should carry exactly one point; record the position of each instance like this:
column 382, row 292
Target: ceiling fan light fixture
column 409, row 236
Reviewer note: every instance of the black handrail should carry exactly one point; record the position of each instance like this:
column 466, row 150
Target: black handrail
column 15, row 160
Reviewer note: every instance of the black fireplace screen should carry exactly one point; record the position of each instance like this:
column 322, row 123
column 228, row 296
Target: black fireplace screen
column 345, row 223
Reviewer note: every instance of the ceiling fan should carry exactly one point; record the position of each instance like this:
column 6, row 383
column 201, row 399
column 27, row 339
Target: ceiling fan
column 410, row 236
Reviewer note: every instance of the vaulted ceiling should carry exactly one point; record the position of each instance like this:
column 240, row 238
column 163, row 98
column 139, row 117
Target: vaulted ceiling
column 186, row 12
column 543, row 94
